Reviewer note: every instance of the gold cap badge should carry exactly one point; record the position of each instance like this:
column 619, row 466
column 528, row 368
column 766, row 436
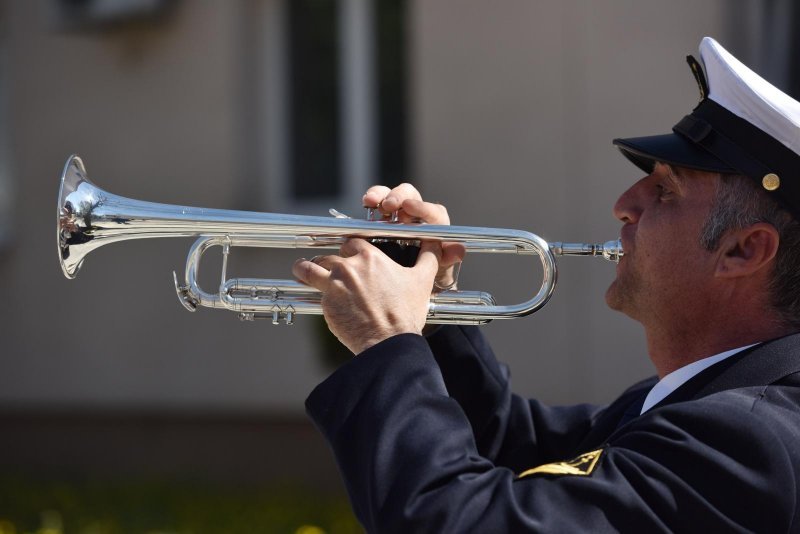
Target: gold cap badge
column 771, row 181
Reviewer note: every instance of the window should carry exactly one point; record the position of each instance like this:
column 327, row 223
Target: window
column 315, row 119
column 338, row 122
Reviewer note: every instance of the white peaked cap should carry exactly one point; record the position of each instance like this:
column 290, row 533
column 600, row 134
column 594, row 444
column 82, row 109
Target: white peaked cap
column 734, row 86
column 742, row 125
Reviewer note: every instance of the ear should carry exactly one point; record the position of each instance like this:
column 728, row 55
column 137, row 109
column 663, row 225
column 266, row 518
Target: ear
column 744, row 252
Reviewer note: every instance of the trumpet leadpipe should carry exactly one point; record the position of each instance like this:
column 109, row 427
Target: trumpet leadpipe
column 610, row 250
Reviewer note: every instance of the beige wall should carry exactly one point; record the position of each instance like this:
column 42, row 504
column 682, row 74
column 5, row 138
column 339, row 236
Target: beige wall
column 515, row 110
column 514, row 105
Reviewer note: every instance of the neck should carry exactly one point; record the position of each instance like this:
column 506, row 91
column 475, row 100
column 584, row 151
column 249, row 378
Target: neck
column 678, row 346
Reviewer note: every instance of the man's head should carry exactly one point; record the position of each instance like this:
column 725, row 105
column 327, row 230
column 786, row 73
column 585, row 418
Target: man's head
column 715, row 221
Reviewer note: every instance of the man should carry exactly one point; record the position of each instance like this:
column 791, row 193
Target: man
column 429, row 438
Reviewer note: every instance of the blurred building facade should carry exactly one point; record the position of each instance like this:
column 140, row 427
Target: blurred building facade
column 503, row 111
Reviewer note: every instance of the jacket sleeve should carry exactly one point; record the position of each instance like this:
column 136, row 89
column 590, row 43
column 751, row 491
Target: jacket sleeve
column 411, row 464
column 509, row 430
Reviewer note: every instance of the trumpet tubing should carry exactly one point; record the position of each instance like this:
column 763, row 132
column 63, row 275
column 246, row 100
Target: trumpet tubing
column 89, row 217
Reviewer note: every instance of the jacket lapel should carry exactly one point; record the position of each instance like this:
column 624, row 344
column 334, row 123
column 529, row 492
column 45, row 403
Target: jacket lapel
column 757, row 366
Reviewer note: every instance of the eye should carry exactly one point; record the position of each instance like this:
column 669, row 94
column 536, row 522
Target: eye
column 663, row 191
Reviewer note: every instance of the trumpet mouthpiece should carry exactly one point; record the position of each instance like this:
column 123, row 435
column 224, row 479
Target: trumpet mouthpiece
column 610, row 250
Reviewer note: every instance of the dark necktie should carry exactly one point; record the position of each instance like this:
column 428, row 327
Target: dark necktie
column 633, row 411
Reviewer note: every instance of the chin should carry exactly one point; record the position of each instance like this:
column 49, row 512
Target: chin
column 612, row 297
column 618, row 297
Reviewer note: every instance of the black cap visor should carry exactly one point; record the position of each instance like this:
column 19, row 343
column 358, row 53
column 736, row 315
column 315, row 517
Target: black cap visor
column 673, row 149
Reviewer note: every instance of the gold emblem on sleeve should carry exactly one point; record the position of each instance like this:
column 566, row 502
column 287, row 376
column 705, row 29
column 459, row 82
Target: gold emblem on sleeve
column 582, row 465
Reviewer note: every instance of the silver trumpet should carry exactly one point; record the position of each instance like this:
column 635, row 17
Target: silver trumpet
column 89, row 217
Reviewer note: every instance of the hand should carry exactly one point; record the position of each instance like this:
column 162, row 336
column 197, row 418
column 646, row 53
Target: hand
column 407, row 202
column 366, row 296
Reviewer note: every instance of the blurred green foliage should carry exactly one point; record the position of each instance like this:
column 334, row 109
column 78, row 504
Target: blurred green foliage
column 93, row 507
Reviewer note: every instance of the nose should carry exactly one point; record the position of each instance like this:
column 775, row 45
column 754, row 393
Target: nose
column 627, row 208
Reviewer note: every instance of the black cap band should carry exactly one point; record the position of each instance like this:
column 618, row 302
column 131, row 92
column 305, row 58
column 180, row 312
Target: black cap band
column 744, row 147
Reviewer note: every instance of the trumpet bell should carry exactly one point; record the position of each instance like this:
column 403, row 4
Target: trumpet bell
column 76, row 196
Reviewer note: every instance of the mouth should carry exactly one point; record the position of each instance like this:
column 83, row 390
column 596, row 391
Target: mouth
column 626, row 238
column 627, row 249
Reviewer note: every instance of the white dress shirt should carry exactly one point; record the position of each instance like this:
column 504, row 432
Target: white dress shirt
column 677, row 378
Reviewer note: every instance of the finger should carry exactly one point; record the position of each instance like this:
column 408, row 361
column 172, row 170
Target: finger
column 434, row 213
column 311, row 274
column 430, row 256
column 374, row 196
column 452, row 253
column 394, row 200
column 428, row 212
column 354, row 246
column 327, row 261
column 430, row 253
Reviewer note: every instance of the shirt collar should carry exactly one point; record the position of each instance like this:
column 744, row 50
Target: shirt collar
column 677, row 378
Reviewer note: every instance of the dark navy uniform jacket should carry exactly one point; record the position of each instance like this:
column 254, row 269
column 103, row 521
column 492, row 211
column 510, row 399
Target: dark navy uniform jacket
column 429, row 438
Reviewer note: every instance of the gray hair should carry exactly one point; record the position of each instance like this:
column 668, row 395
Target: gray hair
column 739, row 203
